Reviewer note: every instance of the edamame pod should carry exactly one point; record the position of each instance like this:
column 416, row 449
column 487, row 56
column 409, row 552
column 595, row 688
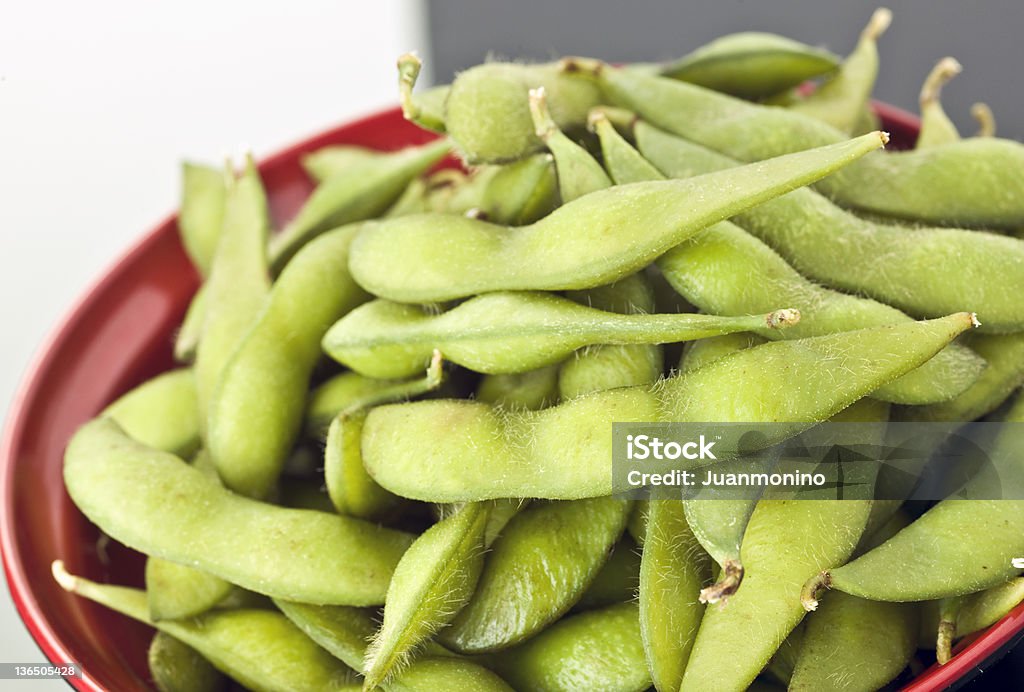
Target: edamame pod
column 704, row 269
column 509, row 332
column 487, row 113
column 579, row 173
column 957, row 547
column 161, row 413
column 565, row 452
column 617, row 581
column 329, row 161
column 257, row 411
column 1004, row 372
column 203, row 195
column 929, row 185
column 673, row 568
column 607, row 366
column 841, row 100
column 178, row 591
column 751, row 64
column 533, row 389
column 936, row 127
column 238, row 284
column 260, row 649
column 595, row 650
column 432, row 582
column 594, row 240
column 538, row 568
column 123, row 487
column 854, row 639
column 186, row 341
column 360, row 191
column 177, row 667
column 926, row 273
column 785, row 541
column 511, row 194
column 351, row 391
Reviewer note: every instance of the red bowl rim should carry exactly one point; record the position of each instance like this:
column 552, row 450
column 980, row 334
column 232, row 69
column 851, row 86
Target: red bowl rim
column 972, row 654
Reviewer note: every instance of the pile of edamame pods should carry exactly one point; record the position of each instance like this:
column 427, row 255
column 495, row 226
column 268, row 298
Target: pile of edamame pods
column 385, row 460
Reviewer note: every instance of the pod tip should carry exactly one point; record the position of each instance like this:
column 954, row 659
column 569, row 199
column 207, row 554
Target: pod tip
column 884, row 136
column 1017, row 563
column 732, row 577
column 877, row 25
column 944, row 70
column 65, row 579
column 974, row 320
column 985, row 118
column 782, row 318
column 811, row 590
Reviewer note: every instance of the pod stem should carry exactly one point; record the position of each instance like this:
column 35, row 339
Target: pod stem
column 543, row 124
column 877, row 25
column 985, row 118
column 944, row 642
column 780, row 319
column 620, row 118
column 590, row 67
column 944, row 70
column 409, row 65
column 732, row 577
column 813, row 589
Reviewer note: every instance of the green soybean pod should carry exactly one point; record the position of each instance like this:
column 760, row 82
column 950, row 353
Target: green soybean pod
column 956, row 548
column 512, row 194
column 203, row 195
column 841, row 99
column 720, row 524
column 984, row 609
column 673, row 569
column 360, row 191
column 857, row 641
column 565, row 452
column 329, row 161
column 186, row 341
column 595, row 650
column 592, row 241
column 536, row 570
column 705, row 351
column 751, row 64
column 929, row 272
column 617, row 581
column 579, row 173
column 350, row 391
column 175, row 591
column 487, row 111
column 257, row 411
column 433, row 580
column 533, row 389
column 925, row 185
column 161, row 413
column 177, row 667
column 238, row 283
column 700, row 269
column 427, row 108
column 936, row 127
column 1004, row 373
column 606, row 366
column 703, row 268
column 785, row 541
column 123, row 487
column 509, row 332
column 260, row 649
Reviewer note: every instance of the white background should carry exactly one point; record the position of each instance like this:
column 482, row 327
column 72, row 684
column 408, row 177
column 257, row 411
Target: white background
column 100, row 100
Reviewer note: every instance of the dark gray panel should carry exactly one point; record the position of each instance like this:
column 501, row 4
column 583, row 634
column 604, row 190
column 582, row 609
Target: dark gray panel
column 984, row 36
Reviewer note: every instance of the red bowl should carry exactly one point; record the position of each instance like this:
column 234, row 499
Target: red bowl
column 119, row 334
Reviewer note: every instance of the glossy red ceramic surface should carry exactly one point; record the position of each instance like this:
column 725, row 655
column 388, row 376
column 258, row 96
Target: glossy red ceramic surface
column 121, row 333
